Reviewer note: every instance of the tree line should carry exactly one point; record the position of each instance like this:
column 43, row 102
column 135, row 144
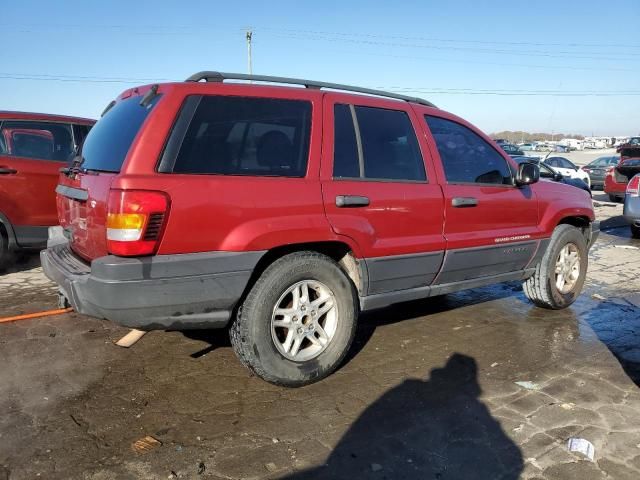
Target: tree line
column 526, row 137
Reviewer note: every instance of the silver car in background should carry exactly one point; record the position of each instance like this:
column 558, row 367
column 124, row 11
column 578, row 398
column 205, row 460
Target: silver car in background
column 631, row 210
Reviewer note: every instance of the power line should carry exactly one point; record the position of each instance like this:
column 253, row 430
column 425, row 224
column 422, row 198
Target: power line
column 188, row 29
column 450, row 40
column 429, row 90
column 483, row 62
column 519, row 53
column 85, row 77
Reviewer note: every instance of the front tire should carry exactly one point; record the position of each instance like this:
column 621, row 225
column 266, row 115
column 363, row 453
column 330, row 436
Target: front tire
column 298, row 321
column 635, row 231
column 560, row 275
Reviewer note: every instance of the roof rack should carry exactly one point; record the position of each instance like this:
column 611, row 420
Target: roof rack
column 222, row 76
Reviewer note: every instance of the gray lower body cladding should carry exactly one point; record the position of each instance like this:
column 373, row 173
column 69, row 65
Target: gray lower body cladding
column 31, row 236
column 446, row 272
column 163, row 292
column 401, row 272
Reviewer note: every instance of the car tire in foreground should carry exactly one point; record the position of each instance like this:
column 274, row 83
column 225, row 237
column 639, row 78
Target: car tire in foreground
column 298, row 320
column 560, row 275
column 5, row 254
column 635, row 231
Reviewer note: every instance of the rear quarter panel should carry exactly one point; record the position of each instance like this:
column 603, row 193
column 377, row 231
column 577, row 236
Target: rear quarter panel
column 223, row 212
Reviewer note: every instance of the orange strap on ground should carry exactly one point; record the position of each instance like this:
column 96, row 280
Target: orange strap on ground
column 27, row 316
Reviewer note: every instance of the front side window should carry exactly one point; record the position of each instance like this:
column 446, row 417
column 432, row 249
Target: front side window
column 467, row 157
column 37, row 140
column 376, row 144
column 247, row 136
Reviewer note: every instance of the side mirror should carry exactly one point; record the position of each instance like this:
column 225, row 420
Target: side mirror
column 528, row 173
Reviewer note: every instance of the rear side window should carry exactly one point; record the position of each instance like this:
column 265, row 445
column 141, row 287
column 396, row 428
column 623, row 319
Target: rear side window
column 37, row 140
column 375, row 143
column 247, row 136
column 346, row 163
column 467, row 157
column 107, row 144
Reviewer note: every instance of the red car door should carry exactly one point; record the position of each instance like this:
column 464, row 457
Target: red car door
column 491, row 225
column 31, row 155
column 380, row 193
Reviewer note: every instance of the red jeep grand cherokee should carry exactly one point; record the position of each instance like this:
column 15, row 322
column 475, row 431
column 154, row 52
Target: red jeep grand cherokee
column 33, row 148
column 285, row 211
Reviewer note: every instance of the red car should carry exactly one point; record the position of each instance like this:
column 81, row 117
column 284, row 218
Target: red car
column 33, row 148
column 618, row 176
column 283, row 212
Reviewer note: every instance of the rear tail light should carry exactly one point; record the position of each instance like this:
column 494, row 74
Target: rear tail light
column 633, row 187
column 135, row 220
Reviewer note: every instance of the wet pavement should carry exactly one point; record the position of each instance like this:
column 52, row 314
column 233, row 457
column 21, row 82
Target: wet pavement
column 429, row 391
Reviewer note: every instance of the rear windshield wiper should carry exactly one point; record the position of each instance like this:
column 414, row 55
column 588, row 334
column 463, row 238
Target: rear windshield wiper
column 74, row 167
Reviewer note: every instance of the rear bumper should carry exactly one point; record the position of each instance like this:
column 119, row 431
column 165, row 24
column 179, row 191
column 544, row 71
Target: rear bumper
column 614, row 188
column 163, row 292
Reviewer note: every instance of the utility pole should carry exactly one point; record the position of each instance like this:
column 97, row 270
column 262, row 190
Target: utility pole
column 249, row 35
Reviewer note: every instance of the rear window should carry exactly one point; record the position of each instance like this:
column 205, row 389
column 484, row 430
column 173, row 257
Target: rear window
column 247, row 136
column 36, row 140
column 108, row 142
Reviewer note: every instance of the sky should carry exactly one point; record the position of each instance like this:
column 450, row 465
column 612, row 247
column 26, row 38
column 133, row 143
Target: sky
column 546, row 66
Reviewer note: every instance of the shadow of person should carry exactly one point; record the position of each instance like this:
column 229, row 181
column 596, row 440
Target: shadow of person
column 433, row 429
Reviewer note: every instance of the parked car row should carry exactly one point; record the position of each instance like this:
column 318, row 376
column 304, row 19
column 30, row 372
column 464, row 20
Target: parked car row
column 33, row 148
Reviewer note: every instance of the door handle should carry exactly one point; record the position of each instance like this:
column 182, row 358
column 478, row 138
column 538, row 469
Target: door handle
column 464, row 202
column 351, row 201
column 7, row 171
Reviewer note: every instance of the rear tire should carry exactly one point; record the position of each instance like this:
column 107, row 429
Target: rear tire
column 5, row 254
column 635, row 231
column 286, row 331
column 560, row 275
column 613, row 198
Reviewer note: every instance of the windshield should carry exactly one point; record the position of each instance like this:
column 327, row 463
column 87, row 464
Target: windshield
column 108, row 142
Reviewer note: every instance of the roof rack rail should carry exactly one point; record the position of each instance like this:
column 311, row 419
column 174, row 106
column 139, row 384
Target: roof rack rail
column 210, row 76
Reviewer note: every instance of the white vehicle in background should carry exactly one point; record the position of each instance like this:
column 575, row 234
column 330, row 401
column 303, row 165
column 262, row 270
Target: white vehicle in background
column 567, row 169
column 572, row 143
column 596, row 142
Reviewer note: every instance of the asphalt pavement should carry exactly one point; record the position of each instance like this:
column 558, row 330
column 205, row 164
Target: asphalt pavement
column 474, row 385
